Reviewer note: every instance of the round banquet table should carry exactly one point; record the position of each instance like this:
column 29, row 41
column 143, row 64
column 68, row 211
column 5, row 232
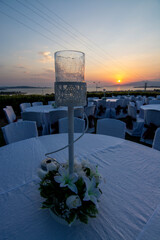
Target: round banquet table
column 111, row 102
column 44, row 109
column 151, row 107
column 129, row 206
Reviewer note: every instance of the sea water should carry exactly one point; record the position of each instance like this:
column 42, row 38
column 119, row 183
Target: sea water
column 50, row 90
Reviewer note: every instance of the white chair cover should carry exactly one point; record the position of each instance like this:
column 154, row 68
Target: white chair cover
column 90, row 112
column 36, row 117
column 33, row 116
column 90, row 104
column 158, row 97
column 125, row 103
column 156, row 140
column 119, row 102
column 150, row 117
column 111, row 127
column 18, row 131
column 79, row 125
column 138, row 98
column 131, row 104
column 54, row 116
column 90, row 99
column 141, row 113
column 154, row 101
column 101, row 102
column 95, row 98
column 132, row 98
column 78, row 112
column 132, row 112
column 148, row 99
column 139, row 104
column 23, row 106
column 37, row 103
column 137, row 122
column 101, row 108
column 51, row 102
column 110, row 113
column 10, row 114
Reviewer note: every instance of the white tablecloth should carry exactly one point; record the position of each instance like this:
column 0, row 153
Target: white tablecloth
column 44, row 109
column 111, row 103
column 130, row 186
column 151, row 107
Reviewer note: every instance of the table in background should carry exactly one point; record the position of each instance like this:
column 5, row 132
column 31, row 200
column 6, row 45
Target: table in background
column 128, row 206
column 151, row 107
column 111, row 103
column 44, row 110
column 147, row 107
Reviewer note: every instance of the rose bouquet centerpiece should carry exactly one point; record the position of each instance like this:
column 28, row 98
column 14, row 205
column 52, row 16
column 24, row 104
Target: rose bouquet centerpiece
column 70, row 196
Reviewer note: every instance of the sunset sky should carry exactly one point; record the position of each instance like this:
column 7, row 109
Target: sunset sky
column 120, row 39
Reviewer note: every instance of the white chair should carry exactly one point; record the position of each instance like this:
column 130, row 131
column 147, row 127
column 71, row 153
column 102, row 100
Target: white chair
column 90, row 99
column 157, row 101
column 51, row 102
column 101, row 108
column 79, row 125
column 37, row 104
column 90, row 112
column 111, row 127
column 152, row 122
column 36, row 117
column 115, row 109
column 10, row 114
column 132, row 104
column 158, row 97
column 134, row 124
column 156, row 140
column 148, row 99
column 18, row 131
column 54, row 116
column 23, row 106
column 138, row 98
column 121, row 108
column 138, row 105
column 132, row 98
column 90, row 104
column 78, row 112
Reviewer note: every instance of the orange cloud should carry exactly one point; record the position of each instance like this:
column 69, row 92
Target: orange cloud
column 45, row 57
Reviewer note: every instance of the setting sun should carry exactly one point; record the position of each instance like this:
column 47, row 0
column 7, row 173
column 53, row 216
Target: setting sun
column 118, row 81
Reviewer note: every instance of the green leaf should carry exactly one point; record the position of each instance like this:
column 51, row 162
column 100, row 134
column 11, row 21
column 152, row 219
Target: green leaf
column 83, row 218
column 71, row 218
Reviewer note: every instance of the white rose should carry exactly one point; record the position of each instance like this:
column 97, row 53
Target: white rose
column 73, row 201
column 41, row 173
column 51, row 166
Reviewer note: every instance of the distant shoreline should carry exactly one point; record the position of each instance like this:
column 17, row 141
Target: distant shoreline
column 30, row 90
column 13, row 93
column 149, row 87
column 6, row 87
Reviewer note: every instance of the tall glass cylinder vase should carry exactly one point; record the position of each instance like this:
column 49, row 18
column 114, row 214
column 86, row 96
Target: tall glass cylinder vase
column 70, row 89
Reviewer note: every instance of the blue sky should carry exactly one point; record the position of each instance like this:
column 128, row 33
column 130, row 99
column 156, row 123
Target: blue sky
column 120, row 38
